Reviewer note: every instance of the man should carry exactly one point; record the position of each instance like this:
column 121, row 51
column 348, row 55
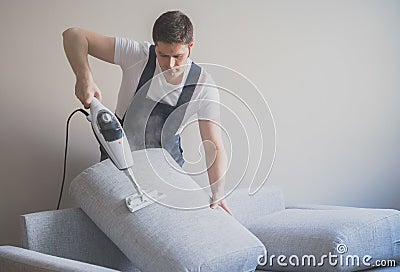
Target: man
column 181, row 82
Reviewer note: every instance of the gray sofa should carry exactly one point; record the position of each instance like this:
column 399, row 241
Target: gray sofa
column 264, row 234
column 68, row 240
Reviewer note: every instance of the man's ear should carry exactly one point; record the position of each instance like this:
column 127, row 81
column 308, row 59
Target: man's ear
column 191, row 44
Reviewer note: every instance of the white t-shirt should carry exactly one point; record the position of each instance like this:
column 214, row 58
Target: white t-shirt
column 132, row 56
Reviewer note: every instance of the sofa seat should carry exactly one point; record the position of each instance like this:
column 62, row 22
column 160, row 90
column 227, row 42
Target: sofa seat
column 350, row 234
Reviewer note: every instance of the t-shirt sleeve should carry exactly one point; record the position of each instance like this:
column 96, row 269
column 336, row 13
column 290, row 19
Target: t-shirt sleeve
column 128, row 52
column 209, row 106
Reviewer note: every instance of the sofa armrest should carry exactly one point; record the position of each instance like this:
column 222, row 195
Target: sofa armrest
column 70, row 234
column 19, row 259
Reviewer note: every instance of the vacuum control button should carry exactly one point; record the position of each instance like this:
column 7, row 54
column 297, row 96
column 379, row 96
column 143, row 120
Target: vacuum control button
column 106, row 117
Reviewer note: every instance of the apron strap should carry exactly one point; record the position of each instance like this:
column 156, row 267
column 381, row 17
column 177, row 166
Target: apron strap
column 148, row 71
column 146, row 76
column 190, row 85
column 186, row 96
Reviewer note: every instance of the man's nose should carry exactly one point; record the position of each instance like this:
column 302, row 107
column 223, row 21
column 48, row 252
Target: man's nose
column 172, row 62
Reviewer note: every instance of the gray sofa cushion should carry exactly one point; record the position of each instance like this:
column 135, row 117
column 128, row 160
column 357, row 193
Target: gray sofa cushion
column 346, row 233
column 158, row 237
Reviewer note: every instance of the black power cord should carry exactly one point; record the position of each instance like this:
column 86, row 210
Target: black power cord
column 65, row 153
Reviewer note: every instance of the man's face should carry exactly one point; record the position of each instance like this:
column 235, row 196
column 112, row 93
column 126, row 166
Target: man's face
column 171, row 56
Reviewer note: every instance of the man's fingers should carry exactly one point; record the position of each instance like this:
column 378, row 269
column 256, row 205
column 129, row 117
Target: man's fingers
column 97, row 94
column 86, row 105
column 225, row 207
column 86, row 102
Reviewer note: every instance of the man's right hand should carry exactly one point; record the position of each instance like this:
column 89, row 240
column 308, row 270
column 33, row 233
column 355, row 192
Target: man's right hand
column 85, row 90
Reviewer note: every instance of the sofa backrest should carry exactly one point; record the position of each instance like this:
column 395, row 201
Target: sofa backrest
column 248, row 208
column 70, row 234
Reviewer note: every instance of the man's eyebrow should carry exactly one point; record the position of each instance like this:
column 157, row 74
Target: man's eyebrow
column 176, row 55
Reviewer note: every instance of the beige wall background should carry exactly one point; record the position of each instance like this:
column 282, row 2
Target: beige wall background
column 329, row 70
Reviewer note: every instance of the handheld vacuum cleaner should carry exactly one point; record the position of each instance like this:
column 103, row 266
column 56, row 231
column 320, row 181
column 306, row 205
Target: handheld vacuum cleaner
column 111, row 136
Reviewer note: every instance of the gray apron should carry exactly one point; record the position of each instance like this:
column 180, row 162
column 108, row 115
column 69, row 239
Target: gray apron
column 151, row 124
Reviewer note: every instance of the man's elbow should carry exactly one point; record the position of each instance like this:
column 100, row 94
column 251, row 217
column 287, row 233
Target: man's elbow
column 213, row 147
column 70, row 31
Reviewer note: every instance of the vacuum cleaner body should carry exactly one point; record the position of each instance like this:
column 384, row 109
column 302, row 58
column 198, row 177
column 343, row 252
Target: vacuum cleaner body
column 110, row 135
column 112, row 138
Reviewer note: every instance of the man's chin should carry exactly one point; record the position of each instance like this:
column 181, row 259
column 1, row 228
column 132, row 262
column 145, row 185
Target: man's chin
column 173, row 73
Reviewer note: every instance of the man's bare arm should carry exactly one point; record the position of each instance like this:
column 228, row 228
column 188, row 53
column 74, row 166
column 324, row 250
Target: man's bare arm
column 78, row 43
column 216, row 160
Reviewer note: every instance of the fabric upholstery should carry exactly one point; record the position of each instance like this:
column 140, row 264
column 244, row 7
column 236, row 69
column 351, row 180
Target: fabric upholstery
column 248, row 208
column 70, row 234
column 15, row 259
column 343, row 232
column 158, row 237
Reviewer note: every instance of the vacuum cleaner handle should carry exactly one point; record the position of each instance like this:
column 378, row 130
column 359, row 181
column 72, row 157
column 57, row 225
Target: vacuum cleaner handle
column 95, row 105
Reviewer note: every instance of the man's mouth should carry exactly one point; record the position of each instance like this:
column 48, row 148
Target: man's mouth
column 172, row 71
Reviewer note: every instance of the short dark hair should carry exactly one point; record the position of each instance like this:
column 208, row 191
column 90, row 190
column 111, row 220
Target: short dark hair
column 173, row 27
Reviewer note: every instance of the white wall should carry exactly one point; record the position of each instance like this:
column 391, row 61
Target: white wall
column 329, row 70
